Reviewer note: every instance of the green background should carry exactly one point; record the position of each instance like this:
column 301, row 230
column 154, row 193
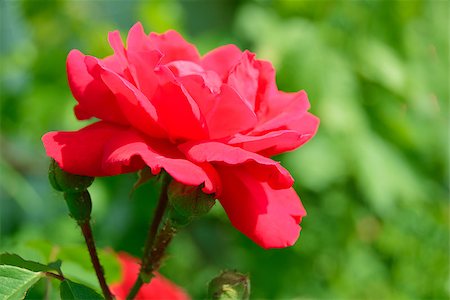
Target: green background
column 374, row 180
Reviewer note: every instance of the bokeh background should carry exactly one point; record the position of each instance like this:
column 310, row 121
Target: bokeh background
column 374, row 180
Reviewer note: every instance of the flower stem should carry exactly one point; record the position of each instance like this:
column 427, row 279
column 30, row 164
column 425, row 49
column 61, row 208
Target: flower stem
column 135, row 289
column 88, row 237
column 155, row 245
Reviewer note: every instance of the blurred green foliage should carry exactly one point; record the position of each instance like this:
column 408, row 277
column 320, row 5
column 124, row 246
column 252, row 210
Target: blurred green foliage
column 374, row 180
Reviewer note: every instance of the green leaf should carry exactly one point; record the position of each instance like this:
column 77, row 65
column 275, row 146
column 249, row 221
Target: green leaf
column 72, row 290
column 16, row 260
column 15, row 281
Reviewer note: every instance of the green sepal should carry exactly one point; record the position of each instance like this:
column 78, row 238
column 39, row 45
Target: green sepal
column 80, row 205
column 66, row 182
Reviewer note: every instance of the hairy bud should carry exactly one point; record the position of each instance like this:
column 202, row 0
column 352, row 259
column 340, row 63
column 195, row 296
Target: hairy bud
column 80, row 205
column 229, row 285
column 188, row 202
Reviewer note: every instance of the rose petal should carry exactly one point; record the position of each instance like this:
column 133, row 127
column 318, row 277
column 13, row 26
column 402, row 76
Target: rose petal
column 105, row 149
column 282, row 111
column 244, row 78
column 182, row 69
column 137, row 40
column 225, row 112
column 218, row 154
column 267, row 86
column 157, row 154
column 93, row 96
column 305, row 125
column 116, row 43
column 267, row 216
column 135, row 106
column 222, row 60
column 178, row 113
column 172, row 45
column 142, row 66
column 271, row 143
column 143, row 58
column 81, row 152
column 229, row 115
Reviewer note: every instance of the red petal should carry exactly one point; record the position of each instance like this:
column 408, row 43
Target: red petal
column 172, row 45
column 225, row 112
column 282, row 111
column 267, row 86
column 279, row 111
column 222, row 59
column 244, row 78
column 93, row 96
column 271, row 143
column 261, row 167
column 135, row 106
column 137, row 40
column 105, row 149
column 142, row 66
column 178, row 113
column 229, row 115
column 183, row 68
column 157, row 154
column 158, row 288
column 305, row 125
column 284, row 125
column 142, row 58
column 269, row 217
column 81, row 152
column 115, row 41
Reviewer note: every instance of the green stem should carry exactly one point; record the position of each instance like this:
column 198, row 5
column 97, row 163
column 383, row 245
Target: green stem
column 162, row 241
column 148, row 258
column 135, row 289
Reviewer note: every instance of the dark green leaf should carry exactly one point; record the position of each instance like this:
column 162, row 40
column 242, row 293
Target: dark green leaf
column 16, row 260
column 15, row 282
column 72, row 290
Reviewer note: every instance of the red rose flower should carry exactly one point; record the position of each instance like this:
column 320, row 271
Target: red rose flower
column 211, row 120
column 158, row 288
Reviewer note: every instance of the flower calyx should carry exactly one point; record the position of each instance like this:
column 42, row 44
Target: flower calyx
column 66, row 182
column 75, row 191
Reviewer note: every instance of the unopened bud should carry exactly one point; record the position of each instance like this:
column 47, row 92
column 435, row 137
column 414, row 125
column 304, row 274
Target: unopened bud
column 188, row 202
column 230, row 285
column 80, row 205
column 66, row 182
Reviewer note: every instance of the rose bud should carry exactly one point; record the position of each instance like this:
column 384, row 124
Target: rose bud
column 80, row 205
column 66, row 182
column 229, row 285
column 188, row 202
